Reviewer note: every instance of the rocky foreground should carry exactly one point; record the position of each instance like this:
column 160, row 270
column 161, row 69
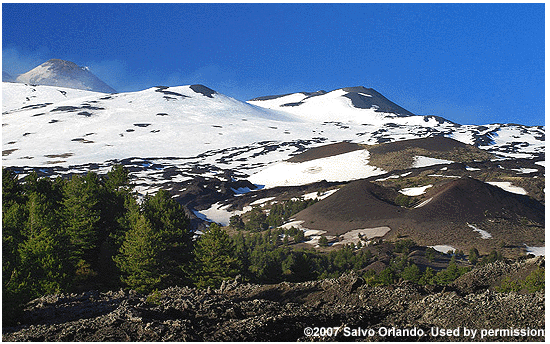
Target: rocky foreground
column 334, row 309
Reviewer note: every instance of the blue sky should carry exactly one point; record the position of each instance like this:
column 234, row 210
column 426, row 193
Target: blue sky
column 470, row 63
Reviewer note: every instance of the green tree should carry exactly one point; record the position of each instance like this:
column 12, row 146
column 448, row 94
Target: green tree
column 430, row 254
column 138, row 257
column 323, row 241
column 427, row 276
column 236, row 222
column 385, row 277
column 14, row 216
column 297, row 266
column 299, row 236
column 535, row 281
column 411, row 273
column 493, row 256
column 451, row 273
column 473, row 255
column 168, row 219
column 404, row 246
column 257, row 221
column 44, row 265
column 82, row 217
column 156, row 251
column 214, row 260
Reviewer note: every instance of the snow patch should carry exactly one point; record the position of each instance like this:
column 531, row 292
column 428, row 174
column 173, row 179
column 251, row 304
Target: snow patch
column 442, row 175
column 424, row 203
column 537, row 251
column 484, row 234
column 415, row 191
column 319, row 196
column 443, row 248
column 366, row 234
column 262, row 201
column 525, row 170
column 219, row 214
column 424, row 161
column 296, row 224
column 507, row 186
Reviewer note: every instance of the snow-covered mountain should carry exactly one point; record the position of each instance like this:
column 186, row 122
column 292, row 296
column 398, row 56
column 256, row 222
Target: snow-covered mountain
column 194, row 131
column 210, row 150
column 44, row 121
column 67, row 74
column 350, row 104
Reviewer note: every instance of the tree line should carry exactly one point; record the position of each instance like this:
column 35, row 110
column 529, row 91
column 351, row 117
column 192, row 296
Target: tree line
column 92, row 231
column 88, row 232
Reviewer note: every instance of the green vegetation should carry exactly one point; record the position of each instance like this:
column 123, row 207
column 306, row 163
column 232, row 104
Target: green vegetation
column 404, row 200
column 214, row 259
column 279, row 214
column 473, row 256
column 532, row 283
column 67, row 235
column 90, row 232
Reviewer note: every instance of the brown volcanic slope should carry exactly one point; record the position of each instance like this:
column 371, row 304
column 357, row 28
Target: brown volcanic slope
column 359, row 204
column 400, row 155
column 454, row 206
column 326, row 151
column 468, row 199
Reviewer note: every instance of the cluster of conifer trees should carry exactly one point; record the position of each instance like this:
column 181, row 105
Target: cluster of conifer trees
column 92, row 232
column 88, row 232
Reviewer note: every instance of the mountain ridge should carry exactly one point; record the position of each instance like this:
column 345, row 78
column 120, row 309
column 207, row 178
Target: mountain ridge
column 57, row 72
column 187, row 137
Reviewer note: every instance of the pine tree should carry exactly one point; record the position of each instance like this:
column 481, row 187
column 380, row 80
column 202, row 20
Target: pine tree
column 411, row 273
column 44, row 265
column 323, row 241
column 14, row 216
column 156, row 251
column 138, row 257
column 427, row 277
column 299, row 237
column 168, row 219
column 473, row 255
column 82, row 217
column 214, row 258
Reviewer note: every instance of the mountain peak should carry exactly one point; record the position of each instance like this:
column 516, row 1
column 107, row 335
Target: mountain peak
column 62, row 73
column 59, row 62
column 333, row 106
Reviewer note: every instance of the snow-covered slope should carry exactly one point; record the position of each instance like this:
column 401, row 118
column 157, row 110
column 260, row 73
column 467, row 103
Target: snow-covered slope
column 83, row 127
column 193, row 130
column 341, row 167
column 351, row 104
column 67, row 74
column 18, row 97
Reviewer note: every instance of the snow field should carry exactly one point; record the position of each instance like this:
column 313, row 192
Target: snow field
column 537, row 251
column 219, row 214
column 342, row 167
column 316, row 195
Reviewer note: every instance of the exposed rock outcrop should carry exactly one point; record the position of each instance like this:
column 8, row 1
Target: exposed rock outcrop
column 281, row 312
